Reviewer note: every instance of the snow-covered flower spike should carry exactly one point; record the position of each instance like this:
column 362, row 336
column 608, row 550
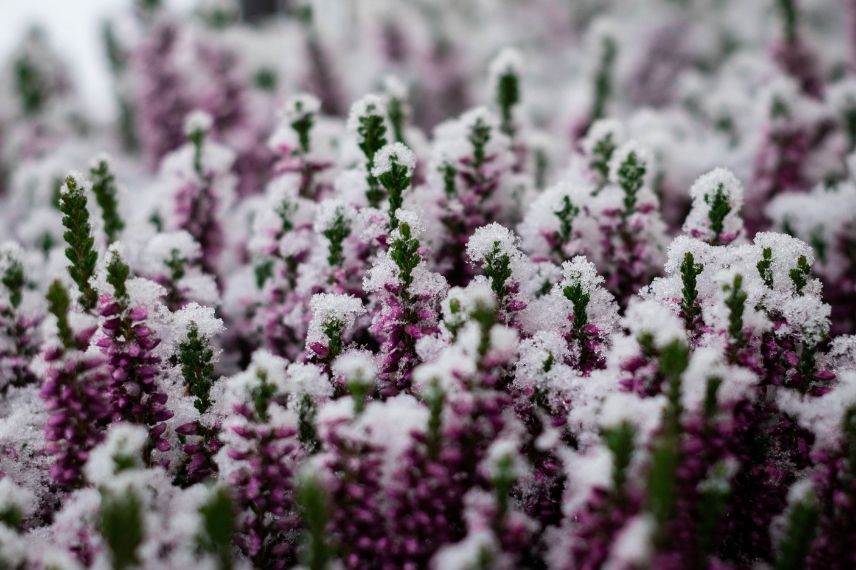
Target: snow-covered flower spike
column 359, row 371
column 717, row 198
column 505, row 71
column 299, row 113
column 393, row 168
column 600, row 143
column 397, row 107
column 195, row 353
column 16, row 504
column 105, row 190
column 80, row 244
column 332, row 318
column 367, row 121
column 494, row 248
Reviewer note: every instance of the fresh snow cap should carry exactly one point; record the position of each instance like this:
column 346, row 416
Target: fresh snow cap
column 308, row 379
column 461, row 301
column 197, row 121
column 644, row 414
column 328, row 211
column 701, row 251
column 786, row 251
column 16, row 498
column 202, row 316
column 649, row 317
column 123, row 447
column 329, row 307
column 509, row 61
column 601, row 130
column 581, row 270
column 623, row 153
column 394, row 153
column 371, row 104
column 486, row 238
column 356, row 365
column 707, row 184
column 634, row 544
column 823, row 415
column 299, row 107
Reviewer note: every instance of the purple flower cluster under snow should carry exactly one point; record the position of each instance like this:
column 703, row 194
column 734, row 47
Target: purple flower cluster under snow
column 571, row 286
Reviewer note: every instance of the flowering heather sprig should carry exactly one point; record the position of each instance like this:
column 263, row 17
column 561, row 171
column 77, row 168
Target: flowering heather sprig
column 715, row 216
column 74, row 394
column 505, row 73
column 80, row 250
column 397, row 108
column 261, row 441
column 128, row 342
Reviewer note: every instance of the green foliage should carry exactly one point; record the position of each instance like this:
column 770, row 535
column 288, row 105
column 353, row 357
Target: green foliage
column 603, row 78
column 765, row 267
column 306, row 432
column 30, row 86
column 497, row 268
column 736, row 304
column 313, row 504
column 121, row 526
column 396, row 180
column 117, row 276
column 800, row 529
column 262, row 394
column 303, row 127
column 371, row 131
column 333, row 329
column 507, row 96
column 359, row 388
column 104, row 188
column 665, row 454
column 478, row 137
column 404, row 251
column 631, row 176
column 12, row 517
column 580, row 300
column 503, row 479
column 788, row 12
column 566, row 215
column 799, row 275
column 80, row 249
column 690, row 270
column 336, row 234
column 218, row 528
column 619, row 441
column 263, row 271
column 196, row 358
column 58, row 305
column 449, row 172
column 602, row 155
column 13, row 279
column 397, row 115
column 719, row 209
column 713, row 499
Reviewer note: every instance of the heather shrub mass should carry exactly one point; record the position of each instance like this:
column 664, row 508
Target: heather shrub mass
column 452, row 285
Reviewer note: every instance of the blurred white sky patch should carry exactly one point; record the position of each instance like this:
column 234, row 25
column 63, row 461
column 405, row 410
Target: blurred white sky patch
column 73, row 27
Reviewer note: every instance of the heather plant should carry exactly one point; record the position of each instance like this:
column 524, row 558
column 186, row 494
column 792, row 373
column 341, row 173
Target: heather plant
column 570, row 286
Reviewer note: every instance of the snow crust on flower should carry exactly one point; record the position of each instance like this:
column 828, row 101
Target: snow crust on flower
column 327, row 213
column 303, row 378
column 162, row 246
column 599, row 131
column 823, row 415
column 394, row 153
column 650, row 318
column 634, row 544
column 623, row 153
column 644, row 414
column 124, row 443
column 786, row 251
column 14, row 497
column 703, row 193
column 203, row 317
column 197, row 121
column 706, row 363
column 299, row 107
column 356, row 364
column 486, row 238
column 327, row 307
column 468, row 553
column 451, row 366
column 508, row 61
column 371, row 104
